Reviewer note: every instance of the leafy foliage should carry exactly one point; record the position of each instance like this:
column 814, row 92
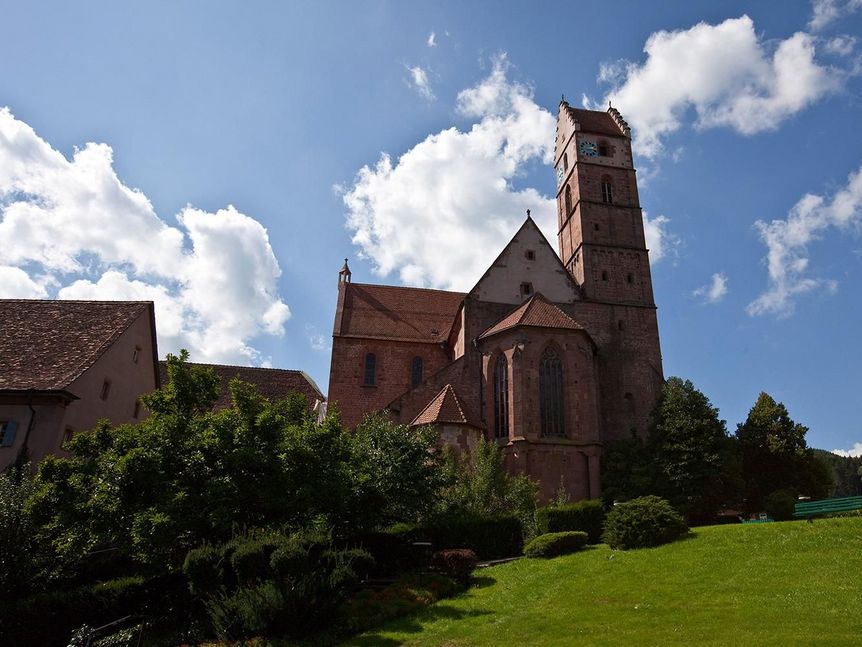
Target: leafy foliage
column 22, row 559
column 643, row 522
column 587, row 516
column 780, row 504
column 480, row 486
column 775, row 455
column 553, row 544
column 691, row 451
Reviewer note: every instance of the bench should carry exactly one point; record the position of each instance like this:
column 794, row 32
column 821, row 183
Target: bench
column 810, row 509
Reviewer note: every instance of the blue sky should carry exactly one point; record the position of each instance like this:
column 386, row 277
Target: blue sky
column 740, row 111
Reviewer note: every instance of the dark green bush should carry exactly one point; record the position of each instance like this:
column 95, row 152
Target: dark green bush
column 247, row 611
column 587, row 516
column 50, row 618
column 488, row 537
column 553, row 544
column 457, row 563
column 250, row 559
column 203, row 568
column 640, row 523
column 780, row 504
column 392, row 550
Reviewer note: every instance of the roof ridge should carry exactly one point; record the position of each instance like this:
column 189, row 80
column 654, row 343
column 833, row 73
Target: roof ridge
column 406, row 287
column 256, row 368
column 457, row 401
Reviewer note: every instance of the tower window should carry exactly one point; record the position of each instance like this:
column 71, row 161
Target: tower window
column 596, row 226
column 551, row 395
column 630, row 278
column 106, row 390
column 603, row 149
column 526, row 289
column 370, row 370
column 530, row 255
column 607, row 191
column 565, row 161
column 501, row 397
column 621, row 324
column 416, row 372
column 568, row 200
column 604, row 276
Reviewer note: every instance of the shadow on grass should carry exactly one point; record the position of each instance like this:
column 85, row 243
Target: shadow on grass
column 481, row 582
column 414, row 624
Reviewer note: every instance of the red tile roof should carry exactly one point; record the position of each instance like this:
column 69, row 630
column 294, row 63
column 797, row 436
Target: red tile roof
column 272, row 383
column 45, row 345
column 391, row 312
column 536, row 311
column 445, row 407
column 594, row 121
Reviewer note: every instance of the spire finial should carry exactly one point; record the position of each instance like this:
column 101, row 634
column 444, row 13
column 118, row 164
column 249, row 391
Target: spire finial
column 528, row 213
column 344, row 273
column 609, row 104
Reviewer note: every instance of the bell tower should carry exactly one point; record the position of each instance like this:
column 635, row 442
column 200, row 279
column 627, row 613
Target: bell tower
column 601, row 232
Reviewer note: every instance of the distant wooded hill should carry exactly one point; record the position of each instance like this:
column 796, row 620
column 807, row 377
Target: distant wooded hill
column 848, row 481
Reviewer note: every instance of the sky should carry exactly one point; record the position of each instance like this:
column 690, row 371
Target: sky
column 223, row 159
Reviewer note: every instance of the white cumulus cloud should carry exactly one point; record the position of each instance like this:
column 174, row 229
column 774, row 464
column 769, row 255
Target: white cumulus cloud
column 451, row 196
column 432, row 40
column 714, row 291
column 419, row 80
column 854, row 452
column 726, row 73
column 825, row 12
column 787, row 243
column 71, row 229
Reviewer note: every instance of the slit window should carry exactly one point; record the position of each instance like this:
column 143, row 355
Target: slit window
column 630, row 278
column 370, row 378
column 68, row 434
column 416, row 372
column 607, row 191
column 565, row 161
column 136, row 354
column 604, row 276
column 568, row 200
column 106, row 390
column 137, row 410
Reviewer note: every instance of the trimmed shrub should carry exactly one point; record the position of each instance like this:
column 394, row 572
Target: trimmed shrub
column 246, row 611
column 780, row 504
column 587, row 516
column 554, row 544
column 392, row 550
column 643, row 522
column 457, row 563
column 488, row 537
column 250, row 559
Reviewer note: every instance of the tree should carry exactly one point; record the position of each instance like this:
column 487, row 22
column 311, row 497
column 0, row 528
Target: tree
column 21, row 559
column 775, row 455
column 628, row 471
column 691, row 452
column 397, row 469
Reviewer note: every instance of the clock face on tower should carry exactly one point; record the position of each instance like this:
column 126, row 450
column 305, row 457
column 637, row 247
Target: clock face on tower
column 559, row 176
column 589, row 149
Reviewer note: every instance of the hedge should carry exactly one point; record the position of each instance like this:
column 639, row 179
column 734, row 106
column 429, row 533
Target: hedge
column 587, row 516
column 554, row 544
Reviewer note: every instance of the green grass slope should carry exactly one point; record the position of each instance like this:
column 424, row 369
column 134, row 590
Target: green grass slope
column 788, row 583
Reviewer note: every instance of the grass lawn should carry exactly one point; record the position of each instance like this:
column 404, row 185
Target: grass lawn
column 791, row 583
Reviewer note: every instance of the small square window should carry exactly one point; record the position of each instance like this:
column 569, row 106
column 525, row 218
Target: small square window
column 7, row 432
column 530, row 254
column 604, row 276
column 526, row 289
column 106, row 390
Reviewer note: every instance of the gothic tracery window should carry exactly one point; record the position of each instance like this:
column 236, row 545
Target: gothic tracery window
column 501, row 397
column 551, row 394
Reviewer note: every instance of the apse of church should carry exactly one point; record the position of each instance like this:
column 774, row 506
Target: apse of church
column 549, row 355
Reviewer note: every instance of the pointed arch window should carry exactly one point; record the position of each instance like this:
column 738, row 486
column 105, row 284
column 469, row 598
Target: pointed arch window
column 551, row 395
column 370, row 370
column 607, row 191
column 565, row 161
column 568, row 200
column 416, row 372
column 501, row 397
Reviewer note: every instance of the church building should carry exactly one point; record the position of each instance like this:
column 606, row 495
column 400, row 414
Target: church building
column 552, row 353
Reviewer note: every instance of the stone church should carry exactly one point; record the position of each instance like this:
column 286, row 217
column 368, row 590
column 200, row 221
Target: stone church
column 552, row 353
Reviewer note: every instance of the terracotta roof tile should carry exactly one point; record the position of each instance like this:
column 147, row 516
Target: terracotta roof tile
column 392, row 312
column 536, row 311
column 445, row 407
column 272, row 383
column 45, row 345
column 594, row 121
